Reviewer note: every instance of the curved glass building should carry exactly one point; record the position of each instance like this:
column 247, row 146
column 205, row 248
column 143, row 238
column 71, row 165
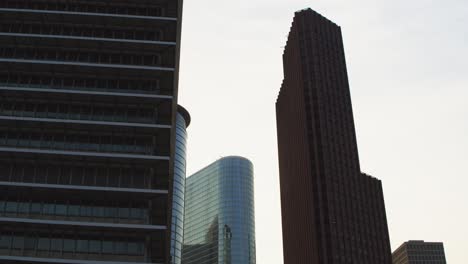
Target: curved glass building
column 177, row 228
column 219, row 214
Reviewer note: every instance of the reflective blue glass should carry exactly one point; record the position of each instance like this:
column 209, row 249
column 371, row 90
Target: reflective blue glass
column 219, row 214
column 177, row 227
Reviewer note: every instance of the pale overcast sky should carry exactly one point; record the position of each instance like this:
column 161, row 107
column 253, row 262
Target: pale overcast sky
column 408, row 69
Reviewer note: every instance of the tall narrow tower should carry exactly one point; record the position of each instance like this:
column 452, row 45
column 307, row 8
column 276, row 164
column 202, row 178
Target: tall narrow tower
column 88, row 103
column 332, row 213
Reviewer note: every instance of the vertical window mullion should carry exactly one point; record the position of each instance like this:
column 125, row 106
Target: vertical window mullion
column 119, row 177
column 108, row 175
column 60, row 175
column 10, row 176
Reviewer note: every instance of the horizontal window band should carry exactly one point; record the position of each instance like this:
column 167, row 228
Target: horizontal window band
column 81, row 224
column 87, row 14
column 85, row 122
column 118, row 66
column 83, row 188
column 16, row 259
column 165, row 43
column 84, row 153
column 86, row 92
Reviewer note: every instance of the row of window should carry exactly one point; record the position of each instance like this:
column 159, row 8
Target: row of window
column 62, row 211
column 84, row 30
column 81, row 176
column 94, row 143
column 426, row 259
column 80, row 83
column 129, row 8
column 95, row 112
column 81, row 56
column 90, row 246
column 426, row 247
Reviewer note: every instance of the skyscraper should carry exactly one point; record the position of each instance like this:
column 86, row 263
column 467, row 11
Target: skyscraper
column 88, row 130
column 331, row 212
column 419, row 252
column 178, row 202
column 219, row 214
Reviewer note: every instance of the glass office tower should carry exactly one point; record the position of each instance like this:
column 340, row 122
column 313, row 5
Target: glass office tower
column 88, row 102
column 219, row 214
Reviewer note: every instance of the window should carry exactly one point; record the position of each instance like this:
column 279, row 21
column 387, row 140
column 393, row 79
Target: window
column 5, row 242
column 56, row 244
column 95, row 246
column 136, row 213
column 73, row 210
column 86, row 211
column 35, row 208
column 111, row 212
column 23, row 208
column 11, row 207
column 108, row 247
column 18, row 242
column 135, row 248
column 48, row 209
column 43, row 244
column 68, row 245
column 121, row 248
column 82, row 246
column 60, row 209
column 98, row 211
column 30, row 243
column 124, row 212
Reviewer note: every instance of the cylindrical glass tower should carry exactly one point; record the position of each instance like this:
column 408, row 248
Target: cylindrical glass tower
column 219, row 214
column 177, row 228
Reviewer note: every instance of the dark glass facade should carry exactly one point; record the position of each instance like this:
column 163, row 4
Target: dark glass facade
column 419, row 252
column 331, row 212
column 219, row 214
column 88, row 104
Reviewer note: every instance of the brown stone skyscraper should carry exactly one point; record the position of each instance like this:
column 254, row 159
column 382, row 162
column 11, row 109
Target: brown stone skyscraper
column 332, row 213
